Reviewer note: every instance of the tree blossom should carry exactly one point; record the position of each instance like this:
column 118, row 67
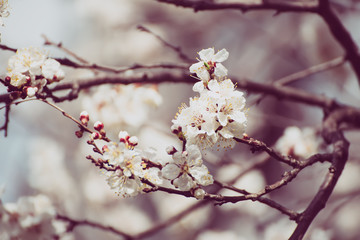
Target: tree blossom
column 129, row 166
column 51, row 70
column 31, row 67
column 210, row 64
column 197, row 123
column 218, row 114
column 298, row 142
column 187, row 170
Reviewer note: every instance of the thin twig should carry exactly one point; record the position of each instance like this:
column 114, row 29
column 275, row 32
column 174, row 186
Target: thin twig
column 74, row 223
column 177, row 49
column 82, row 126
column 311, row 70
column 286, row 6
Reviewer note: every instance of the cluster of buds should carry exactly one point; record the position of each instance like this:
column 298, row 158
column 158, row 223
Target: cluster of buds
column 130, row 142
column 84, row 119
column 99, row 127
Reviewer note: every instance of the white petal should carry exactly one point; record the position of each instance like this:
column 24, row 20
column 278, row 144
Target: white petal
column 170, row 171
column 203, row 74
column 196, row 66
column 184, row 182
column 201, row 175
column 223, row 118
column 221, row 55
column 207, row 54
column 198, row 87
column 194, row 158
column 220, row 70
column 214, row 86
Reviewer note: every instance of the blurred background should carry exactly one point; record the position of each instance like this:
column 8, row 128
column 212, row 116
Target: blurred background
column 42, row 155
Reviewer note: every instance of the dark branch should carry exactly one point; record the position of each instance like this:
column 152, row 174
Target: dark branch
column 333, row 135
column 340, row 33
column 202, row 5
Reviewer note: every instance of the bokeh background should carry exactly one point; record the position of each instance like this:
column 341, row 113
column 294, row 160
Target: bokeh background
column 42, row 155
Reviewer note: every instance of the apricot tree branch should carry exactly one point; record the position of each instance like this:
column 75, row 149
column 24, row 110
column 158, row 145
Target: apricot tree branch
column 332, row 134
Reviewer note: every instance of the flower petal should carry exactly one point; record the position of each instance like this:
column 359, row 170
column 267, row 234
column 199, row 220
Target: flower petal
column 220, row 70
column 170, row 171
column 221, row 55
column 207, row 54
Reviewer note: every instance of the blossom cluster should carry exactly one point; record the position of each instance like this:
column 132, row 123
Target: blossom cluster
column 130, row 169
column 30, row 69
column 29, row 218
column 187, row 171
column 218, row 114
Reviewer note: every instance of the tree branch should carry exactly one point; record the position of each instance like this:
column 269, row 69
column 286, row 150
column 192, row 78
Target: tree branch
column 341, row 35
column 202, row 5
column 332, row 134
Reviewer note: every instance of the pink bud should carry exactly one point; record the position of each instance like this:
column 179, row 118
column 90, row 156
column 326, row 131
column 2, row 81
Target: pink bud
column 105, row 148
column 98, row 126
column 124, row 136
column 171, row 150
column 133, row 140
column 84, row 117
column 95, row 135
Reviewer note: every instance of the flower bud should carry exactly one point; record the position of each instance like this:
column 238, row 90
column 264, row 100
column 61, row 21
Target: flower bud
column 95, row 135
column 171, row 150
column 124, row 136
column 98, row 126
column 31, row 91
column 199, row 194
column 105, row 148
column 133, row 140
column 84, row 117
column 79, row 133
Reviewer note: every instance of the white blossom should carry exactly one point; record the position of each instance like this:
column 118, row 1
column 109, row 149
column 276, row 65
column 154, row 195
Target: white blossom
column 31, row 67
column 129, row 166
column 187, row 170
column 210, row 63
column 51, row 70
column 217, row 116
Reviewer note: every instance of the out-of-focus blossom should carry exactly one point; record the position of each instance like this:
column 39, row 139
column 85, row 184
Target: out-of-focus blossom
column 47, row 160
column 122, row 107
column 4, row 12
column 298, row 142
column 30, row 218
column 215, row 235
column 187, row 170
column 210, row 64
